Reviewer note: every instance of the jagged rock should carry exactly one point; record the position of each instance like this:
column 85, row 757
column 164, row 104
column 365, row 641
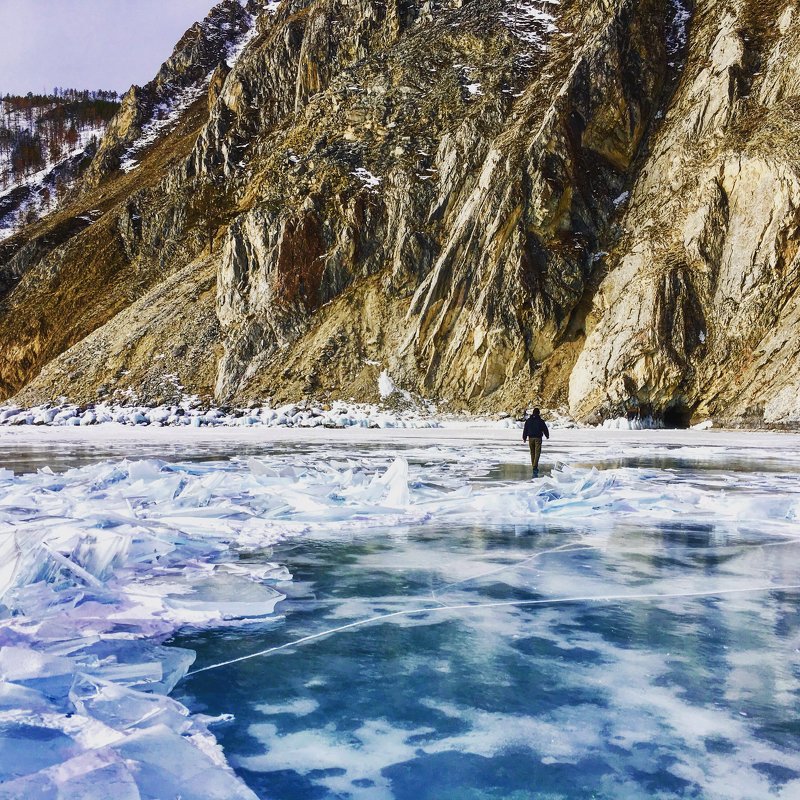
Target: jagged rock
column 699, row 316
column 193, row 65
column 515, row 230
column 498, row 201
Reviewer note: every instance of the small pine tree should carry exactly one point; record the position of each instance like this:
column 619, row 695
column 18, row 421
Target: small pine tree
column 211, row 205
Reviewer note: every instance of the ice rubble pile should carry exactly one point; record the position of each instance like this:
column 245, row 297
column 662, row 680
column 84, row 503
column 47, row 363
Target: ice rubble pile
column 337, row 415
column 188, row 413
column 91, row 591
column 101, row 564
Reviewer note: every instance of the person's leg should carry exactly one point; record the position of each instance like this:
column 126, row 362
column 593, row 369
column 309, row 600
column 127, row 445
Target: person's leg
column 536, row 452
column 532, row 445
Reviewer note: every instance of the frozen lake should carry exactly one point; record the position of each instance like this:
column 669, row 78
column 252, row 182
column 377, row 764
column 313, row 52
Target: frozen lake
column 399, row 615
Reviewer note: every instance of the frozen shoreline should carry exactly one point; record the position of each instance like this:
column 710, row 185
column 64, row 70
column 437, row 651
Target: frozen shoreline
column 466, row 432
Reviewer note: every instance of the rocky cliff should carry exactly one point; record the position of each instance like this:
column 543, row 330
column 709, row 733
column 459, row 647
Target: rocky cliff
column 591, row 202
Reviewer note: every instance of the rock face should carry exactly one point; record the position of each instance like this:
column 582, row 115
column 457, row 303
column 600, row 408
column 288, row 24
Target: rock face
column 699, row 314
column 592, row 202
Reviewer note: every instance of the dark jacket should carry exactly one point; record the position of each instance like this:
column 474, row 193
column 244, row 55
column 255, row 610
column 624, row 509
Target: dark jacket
column 535, row 427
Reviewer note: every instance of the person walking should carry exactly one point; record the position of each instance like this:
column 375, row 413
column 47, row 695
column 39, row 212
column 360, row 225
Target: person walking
column 535, row 428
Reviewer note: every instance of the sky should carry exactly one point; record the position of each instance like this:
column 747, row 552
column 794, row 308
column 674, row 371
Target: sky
column 89, row 44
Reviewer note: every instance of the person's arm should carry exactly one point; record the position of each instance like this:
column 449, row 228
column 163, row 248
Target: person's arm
column 546, row 431
column 525, row 431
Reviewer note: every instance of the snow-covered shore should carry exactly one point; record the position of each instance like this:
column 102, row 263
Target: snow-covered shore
column 189, row 413
column 293, row 415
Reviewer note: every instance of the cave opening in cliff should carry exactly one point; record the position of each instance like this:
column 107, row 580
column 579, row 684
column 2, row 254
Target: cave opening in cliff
column 677, row 416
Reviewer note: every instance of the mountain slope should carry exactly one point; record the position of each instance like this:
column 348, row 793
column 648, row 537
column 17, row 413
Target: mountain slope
column 45, row 143
column 589, row 201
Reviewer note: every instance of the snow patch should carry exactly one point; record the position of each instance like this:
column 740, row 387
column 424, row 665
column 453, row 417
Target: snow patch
column 164, row 118
column 529, row 22
column 386, row 386
column 678, row 35
column 369, row 180
column 706, row 425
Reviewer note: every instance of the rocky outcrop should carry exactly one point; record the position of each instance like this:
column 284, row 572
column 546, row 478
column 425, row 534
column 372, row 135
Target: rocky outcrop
column 698, row 314
column 591, row 203
column 522, row 241
column 485, row 186
column 182, row 77
column 161, row 347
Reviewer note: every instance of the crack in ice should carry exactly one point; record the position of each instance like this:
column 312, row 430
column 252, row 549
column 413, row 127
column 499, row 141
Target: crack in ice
column 499, row 604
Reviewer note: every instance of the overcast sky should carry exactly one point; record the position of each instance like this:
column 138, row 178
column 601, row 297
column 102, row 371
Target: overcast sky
column 89, row 44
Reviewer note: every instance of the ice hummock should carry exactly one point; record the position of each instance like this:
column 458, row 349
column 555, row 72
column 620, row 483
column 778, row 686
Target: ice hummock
column 188, row 413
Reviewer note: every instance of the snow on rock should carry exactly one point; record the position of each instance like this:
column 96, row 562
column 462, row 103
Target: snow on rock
column 706, row 425
column 369, row 180
column 238, row 47
column 529, row 21
column 226, row 39
column 386, row 386
column 303, row 415
column 622, row 199
column 164, row 117
column 678, row 34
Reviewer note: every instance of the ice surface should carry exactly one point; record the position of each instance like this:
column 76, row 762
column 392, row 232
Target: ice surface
column 100, row 564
